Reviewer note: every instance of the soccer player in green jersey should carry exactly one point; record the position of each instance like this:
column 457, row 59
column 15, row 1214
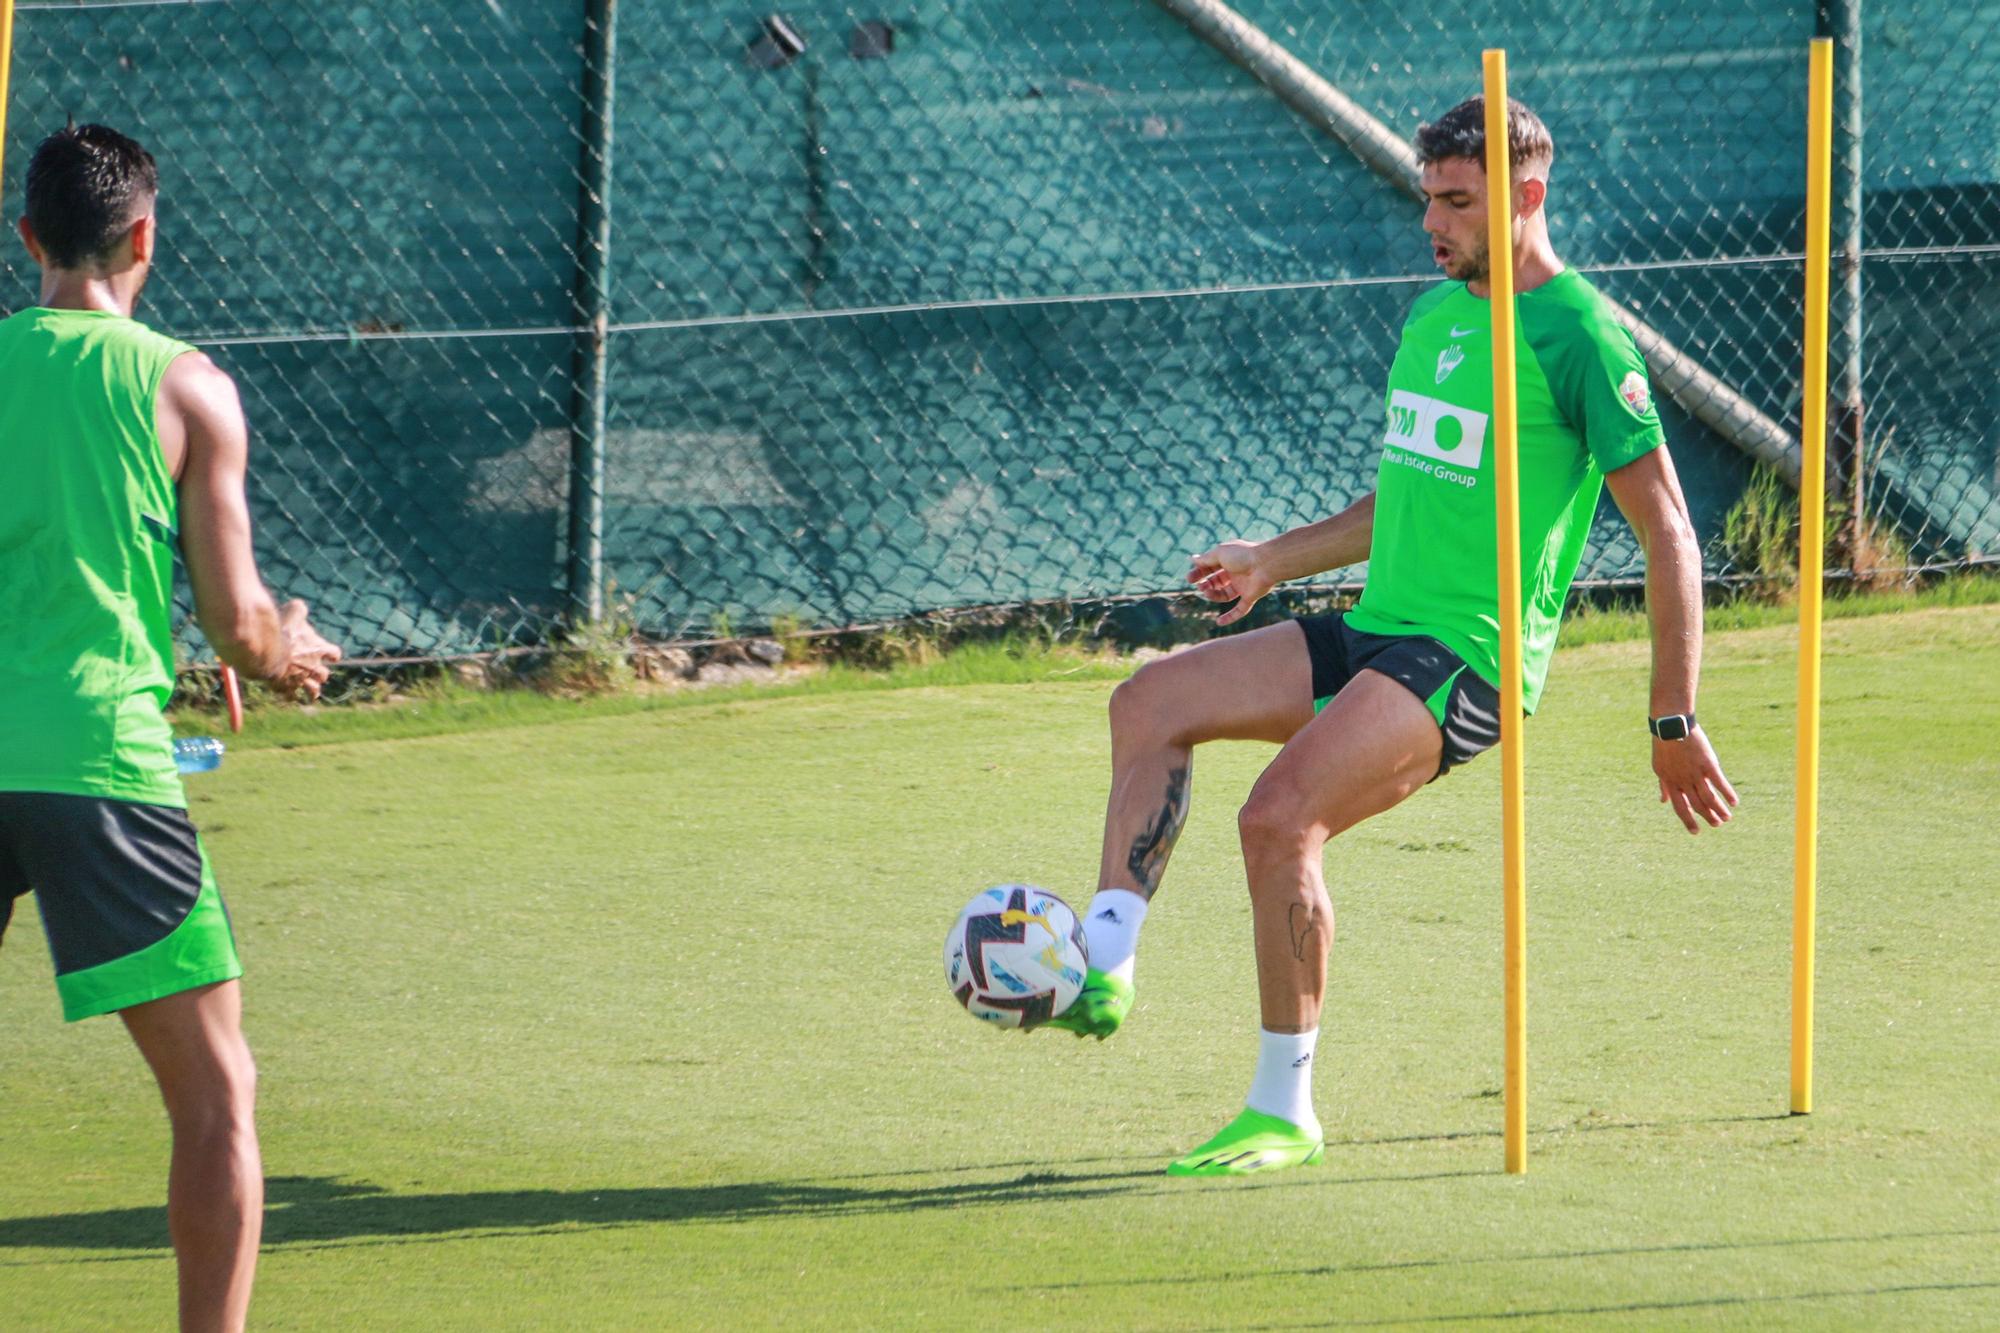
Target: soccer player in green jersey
column 1371, row 705
column 116, row 443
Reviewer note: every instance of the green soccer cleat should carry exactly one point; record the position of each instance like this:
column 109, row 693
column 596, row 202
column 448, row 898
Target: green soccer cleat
column 1098, row 1009
column 1250, row 1143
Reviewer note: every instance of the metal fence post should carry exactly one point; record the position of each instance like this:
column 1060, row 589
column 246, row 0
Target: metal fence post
column 1841, row 20
column 590, row 306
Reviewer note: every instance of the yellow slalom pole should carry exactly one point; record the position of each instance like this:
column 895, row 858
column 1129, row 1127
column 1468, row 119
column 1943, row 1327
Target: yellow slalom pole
column 1507, row 499
column 1812, row 510
column 6, row 64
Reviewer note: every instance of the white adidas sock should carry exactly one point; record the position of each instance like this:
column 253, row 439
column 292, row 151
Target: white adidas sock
column 1111, row 930
column 1283, row 1085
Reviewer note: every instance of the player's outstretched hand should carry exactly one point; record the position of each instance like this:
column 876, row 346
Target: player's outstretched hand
column 307, row 655
column 1233, row 571
column 1691, row 781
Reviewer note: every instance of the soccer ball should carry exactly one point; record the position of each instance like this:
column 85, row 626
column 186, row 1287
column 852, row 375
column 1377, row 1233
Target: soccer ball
column 1016, row 957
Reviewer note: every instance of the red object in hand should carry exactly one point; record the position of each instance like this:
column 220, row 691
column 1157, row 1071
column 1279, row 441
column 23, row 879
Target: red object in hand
column 232, row 692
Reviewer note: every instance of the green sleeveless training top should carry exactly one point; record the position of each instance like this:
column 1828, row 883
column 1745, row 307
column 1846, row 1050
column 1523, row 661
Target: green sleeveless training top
column 1585, row 409
column 88, row 525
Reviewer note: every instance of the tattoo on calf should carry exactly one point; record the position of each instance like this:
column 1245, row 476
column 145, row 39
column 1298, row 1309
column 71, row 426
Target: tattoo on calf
column 1148, row 858
column 1308, row 926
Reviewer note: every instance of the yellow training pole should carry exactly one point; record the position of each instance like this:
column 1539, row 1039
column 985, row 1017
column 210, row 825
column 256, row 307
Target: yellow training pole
column 6, row 63
column 1812, row 510
column 1507, row 499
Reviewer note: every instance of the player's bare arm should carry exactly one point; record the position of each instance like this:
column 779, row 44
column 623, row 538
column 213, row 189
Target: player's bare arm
column 1649, row 493
column 1243, row 572
column 206, row 443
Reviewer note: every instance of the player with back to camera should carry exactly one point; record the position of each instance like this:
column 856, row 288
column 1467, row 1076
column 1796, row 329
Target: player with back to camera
column 115, row 442
column 1373, row 704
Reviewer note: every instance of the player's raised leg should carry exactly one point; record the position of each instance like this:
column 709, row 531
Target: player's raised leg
column 215, row 1187
column 1255, row 686
column 1371, row 747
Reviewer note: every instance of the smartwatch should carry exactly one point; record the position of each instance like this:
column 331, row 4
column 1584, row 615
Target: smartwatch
column 1672, row 727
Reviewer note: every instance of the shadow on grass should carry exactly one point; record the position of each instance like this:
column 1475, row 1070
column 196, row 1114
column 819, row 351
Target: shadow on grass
column 309, row 1209
column 306, row 1212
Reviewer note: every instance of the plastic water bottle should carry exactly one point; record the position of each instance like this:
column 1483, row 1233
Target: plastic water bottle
column 197, row 754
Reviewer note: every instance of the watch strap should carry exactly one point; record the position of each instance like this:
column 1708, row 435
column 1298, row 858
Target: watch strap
column 1672, row 727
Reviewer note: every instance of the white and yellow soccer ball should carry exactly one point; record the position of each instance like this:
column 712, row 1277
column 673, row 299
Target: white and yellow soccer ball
column 1016, row 956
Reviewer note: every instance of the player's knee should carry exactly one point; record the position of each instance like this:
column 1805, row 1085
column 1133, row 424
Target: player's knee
column 243, row 1079
column 1160, row 703
column 1274, row 822
column 239, row 1085
column 1137, row 704
column 219, row 1101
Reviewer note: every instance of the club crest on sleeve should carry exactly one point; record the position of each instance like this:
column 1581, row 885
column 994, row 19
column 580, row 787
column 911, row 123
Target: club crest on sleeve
column 1633, row 390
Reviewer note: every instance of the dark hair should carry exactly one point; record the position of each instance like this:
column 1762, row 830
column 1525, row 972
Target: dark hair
column 86, row 185
column 1461, row 132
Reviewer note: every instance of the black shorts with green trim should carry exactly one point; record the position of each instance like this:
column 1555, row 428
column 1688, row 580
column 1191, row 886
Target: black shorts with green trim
column 1466, row 708
column 126, row 895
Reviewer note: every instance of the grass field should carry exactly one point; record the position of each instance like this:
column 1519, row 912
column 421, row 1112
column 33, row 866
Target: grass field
column 636, row 1019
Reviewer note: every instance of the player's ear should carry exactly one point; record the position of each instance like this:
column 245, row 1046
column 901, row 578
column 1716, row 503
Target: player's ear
column 143, row 235
column 1533, row 192
column 27, row 230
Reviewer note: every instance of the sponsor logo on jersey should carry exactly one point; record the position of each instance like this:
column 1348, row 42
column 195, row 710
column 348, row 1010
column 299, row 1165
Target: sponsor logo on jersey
column 1633, row 390
column 1449, row 360
column 1457, row 332
column 1436, row 429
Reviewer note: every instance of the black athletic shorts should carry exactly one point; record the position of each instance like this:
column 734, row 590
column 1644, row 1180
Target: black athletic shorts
column 126, row 895
column 1467, row 709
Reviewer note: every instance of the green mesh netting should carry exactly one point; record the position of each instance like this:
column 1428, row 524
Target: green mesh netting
column 966, row 304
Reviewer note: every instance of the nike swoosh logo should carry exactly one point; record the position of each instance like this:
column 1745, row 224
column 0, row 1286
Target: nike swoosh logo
column 1463, row 333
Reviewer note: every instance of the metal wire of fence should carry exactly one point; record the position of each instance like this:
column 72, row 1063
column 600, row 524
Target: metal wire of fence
column 696, row 315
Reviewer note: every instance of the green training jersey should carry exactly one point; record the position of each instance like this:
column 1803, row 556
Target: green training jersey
column 1585, row 409
column 88, row 522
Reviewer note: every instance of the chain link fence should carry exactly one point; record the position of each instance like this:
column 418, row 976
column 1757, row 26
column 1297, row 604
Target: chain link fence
column 702, row 316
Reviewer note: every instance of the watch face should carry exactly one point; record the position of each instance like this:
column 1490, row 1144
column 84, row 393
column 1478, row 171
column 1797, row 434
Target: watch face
column 1673, row 728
